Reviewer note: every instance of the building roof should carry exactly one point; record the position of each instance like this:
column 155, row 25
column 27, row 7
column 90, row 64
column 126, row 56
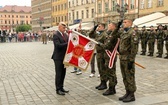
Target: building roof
column 15, row 8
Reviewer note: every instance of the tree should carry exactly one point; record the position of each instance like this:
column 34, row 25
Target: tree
column 23, row 28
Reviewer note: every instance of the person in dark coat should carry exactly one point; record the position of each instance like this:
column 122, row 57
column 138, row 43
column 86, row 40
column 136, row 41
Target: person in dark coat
column 60, row 40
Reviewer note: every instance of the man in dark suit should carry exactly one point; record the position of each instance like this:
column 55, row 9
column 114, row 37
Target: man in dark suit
column 60, row 40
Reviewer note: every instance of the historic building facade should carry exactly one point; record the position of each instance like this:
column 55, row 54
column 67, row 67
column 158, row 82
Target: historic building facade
column 81, row 10
column 11, row 16
column 106, row 9
column 41, row 14
column 150, row 6
column 59, row 11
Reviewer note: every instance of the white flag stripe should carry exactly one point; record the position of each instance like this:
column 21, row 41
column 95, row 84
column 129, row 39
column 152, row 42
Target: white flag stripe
column 74, row 39
column 68, row 57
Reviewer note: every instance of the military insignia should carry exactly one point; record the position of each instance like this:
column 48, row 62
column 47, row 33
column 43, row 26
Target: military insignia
column 135, row 39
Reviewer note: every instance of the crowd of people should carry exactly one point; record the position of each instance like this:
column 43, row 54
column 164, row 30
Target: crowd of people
column 149, row 38
column 27, row 36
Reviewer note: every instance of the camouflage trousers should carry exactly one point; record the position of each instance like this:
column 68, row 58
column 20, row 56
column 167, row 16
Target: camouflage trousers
column 151, row 47
column 128, row 74
column 166, row 45
column 143, row 45
column 100, row 64
column 110, row 74
column 160, row 48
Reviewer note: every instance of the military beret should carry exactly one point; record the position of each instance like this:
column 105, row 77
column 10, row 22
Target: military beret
column 135, row 26
column 151, row 26
column 144, row 27
column 160, row 25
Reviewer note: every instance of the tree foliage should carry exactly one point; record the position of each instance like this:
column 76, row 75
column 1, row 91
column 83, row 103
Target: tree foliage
column 23, row 28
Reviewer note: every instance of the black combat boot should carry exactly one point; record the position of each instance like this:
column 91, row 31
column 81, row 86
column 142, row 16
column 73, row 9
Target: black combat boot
column 143, row 53
column 110, row 91
column 149, row 54
column 159, row 56
column 129, row 98
column 103, row 86
column 127, row 93
column 166, row 57
column 99, row 85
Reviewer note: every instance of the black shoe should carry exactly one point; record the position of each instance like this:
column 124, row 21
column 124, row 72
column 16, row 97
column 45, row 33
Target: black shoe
column 65, row 91
column 98, row 85
column 142, row 53
column 60, row 92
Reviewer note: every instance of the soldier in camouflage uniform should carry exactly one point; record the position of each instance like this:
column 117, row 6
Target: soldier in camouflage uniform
column 136, row 36
column 128, row 50
column 166, row 42
column 151, row 40
column 143, row 37
column 100, row 36
column 109, row 44
column 160, row 39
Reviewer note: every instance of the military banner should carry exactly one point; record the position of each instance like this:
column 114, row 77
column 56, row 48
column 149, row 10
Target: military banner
column 79, row 51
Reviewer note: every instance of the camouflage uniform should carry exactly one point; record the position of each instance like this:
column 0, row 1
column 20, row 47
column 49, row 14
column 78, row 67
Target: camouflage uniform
column 99, row 37
column 44, row 37
column 143, row 37
column 109, row 44
column 160, row 39
column 128, row 50
column 151, row 42
column 136, row 37
column 166, row 43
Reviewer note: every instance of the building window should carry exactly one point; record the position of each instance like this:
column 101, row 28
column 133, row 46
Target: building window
column 77, row 15
column 92, row 13
column 87, row 13
column 72, row 2
column 99, row 8
column 82, row 14
column 149, row 3
column 65, row 6
column 82, row 2
column 106, row 7
column 69, row 4
column 73, row 15
column 77, row 2
column 69, row 16
column 93, row 1
column 65, row 18
column 113, row 5
column 132, row 4
column 87, row 1
column 142, row 4
column 160, row 2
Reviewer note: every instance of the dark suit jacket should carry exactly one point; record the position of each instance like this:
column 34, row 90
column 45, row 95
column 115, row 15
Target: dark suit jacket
column 60, row 46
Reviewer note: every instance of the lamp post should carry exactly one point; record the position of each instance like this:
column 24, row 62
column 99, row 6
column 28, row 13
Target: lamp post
column 41, row 19
column 122, row 9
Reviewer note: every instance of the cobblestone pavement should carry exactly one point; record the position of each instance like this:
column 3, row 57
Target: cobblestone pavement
column 27, row 78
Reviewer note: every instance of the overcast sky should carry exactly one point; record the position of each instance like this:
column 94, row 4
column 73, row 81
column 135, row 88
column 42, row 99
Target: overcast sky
column 15, row 2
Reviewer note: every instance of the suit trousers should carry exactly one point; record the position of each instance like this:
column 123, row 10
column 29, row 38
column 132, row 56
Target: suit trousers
column 60, row 74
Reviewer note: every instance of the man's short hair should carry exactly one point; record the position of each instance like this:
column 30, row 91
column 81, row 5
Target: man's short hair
column 102, row 24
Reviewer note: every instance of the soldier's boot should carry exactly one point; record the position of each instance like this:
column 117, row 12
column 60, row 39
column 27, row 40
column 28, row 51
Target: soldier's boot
column 110, row 91
column 166, row 57
column 129, row 98
column 143, row 53
column 127, row 93
column 103, row 86
column 99, row 85
column 149, row 54
column 159, row 56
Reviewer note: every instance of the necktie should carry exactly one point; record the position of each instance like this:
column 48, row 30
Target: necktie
column 64, row 37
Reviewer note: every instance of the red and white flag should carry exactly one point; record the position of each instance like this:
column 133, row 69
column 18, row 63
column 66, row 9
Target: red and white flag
column 79, row 51
column 112, row 55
